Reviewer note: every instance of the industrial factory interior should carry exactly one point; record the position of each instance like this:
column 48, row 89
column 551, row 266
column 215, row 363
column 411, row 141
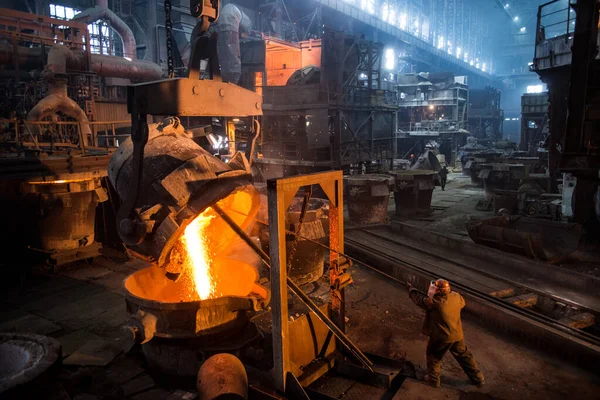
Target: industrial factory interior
column 299, row 199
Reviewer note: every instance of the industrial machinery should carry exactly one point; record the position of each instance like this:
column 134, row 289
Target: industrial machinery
column 190, row 215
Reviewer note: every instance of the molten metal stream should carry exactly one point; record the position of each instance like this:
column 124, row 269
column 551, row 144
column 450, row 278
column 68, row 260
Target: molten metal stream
column 209, row 259
column 199, row 258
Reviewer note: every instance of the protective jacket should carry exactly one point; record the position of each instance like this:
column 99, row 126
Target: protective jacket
column 442, row 315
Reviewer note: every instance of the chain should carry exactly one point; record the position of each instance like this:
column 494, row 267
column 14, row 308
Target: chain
column 169, row 29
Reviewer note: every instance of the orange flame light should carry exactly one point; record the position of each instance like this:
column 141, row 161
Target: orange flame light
column 209, row 259
column 199, row 259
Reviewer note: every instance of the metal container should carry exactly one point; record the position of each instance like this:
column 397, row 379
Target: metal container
column 52, row 214
column 180, row 180
column 501, row 176
column 158, row 307
column 413, row 190
column 308, row 257
column 66, row 211
column 178, row 334
column 27, row 364
column 531, row 237
column 505, row 200
column 367, row 197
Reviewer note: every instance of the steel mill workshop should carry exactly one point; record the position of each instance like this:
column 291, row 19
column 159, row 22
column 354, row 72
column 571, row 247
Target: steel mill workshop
column 299, row 199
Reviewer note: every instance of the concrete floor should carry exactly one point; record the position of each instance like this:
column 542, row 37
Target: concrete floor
column 452, row 208
column 83, row 306
column 383, row 320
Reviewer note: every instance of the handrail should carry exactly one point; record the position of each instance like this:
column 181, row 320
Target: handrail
column 548, row 19
column 65, row 134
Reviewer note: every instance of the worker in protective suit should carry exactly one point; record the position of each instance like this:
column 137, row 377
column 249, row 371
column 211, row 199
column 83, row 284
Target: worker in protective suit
column 443, row 325
column 232, row 24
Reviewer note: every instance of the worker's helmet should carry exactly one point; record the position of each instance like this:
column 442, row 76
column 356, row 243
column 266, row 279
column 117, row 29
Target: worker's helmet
column 443, row 286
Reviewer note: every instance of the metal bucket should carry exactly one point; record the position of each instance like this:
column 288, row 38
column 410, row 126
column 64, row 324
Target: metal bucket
column 368, row 197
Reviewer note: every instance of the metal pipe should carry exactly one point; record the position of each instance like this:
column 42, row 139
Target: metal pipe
column 101, row 11
column 298, row 292
column 118, row 67
column 61, row 59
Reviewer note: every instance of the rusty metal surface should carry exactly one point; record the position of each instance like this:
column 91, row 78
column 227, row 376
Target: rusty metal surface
column 222, row 375
column 180, row 180
column 308, row 259
column 534, row 238
column 194, row 98
column 367, row 197
column 413, row 190
column 50, row 216
column 42, row 29
column 179, row 360
column 281, row 192
column 155, row 317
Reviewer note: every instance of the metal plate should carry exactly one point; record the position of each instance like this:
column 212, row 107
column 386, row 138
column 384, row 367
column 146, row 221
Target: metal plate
column 192, row 97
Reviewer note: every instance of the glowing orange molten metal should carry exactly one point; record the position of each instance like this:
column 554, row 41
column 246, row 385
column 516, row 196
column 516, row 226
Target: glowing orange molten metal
column 199, row 257
column 209, row 259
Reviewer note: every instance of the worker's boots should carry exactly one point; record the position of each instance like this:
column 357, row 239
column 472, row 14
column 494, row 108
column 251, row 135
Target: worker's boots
column 432, row 382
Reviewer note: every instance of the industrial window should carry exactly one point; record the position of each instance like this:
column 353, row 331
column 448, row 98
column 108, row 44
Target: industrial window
column 368, row 6
column 389, row 59
column 101, row 36
column 535, row 89
column 388, row 13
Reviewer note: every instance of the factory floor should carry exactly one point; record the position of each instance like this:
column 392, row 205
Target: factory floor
column 452, row 208
column 83, row 307
column 383, row 320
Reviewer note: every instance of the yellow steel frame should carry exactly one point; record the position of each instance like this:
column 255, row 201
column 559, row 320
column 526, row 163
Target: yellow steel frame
column 280, row 194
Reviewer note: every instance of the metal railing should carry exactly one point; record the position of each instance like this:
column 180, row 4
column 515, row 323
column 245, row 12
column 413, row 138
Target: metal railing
column 62, row 135
column 554, row 20
column 430, row 128
column 42, row 30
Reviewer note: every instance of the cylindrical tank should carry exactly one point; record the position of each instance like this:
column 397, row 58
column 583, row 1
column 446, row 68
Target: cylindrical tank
column 367, row 197
column 67, row 211
column 222, row 376
column 176, row 331
column 180, row 180
column 501, row 176
column 413, row 190
column 308, row 258
column 50, row 214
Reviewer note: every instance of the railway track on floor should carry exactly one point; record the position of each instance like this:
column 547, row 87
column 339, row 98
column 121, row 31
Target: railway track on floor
column 526, row 307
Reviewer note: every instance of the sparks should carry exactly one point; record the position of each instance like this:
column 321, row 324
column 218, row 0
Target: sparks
column 199, row 260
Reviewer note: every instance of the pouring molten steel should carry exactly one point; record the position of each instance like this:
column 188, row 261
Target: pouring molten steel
column 209, row 258
column 195, row 241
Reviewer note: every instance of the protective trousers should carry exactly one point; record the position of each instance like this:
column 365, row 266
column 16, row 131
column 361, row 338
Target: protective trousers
column 436, row 351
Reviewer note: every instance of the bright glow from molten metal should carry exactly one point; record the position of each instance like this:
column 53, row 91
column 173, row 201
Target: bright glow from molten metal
column 199, row 258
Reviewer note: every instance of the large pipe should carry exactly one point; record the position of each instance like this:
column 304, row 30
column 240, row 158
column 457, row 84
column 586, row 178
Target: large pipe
column 117, row 67
column 61, row 59
column 58, row 100
column 232, row 22
column 101, row 11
